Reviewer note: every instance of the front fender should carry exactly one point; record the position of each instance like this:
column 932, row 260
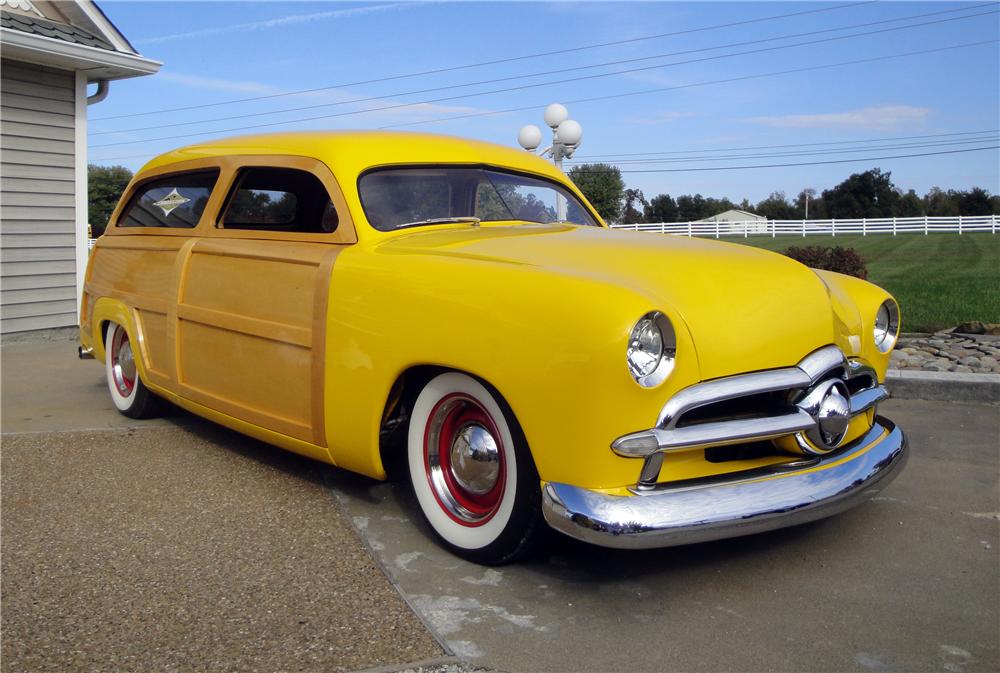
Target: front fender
column 552, row 342
column 855, row 303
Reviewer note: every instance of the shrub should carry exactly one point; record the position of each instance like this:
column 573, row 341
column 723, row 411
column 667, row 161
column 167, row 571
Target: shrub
column 842, row 260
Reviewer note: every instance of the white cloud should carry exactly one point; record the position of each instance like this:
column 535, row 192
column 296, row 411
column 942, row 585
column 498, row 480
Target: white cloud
column 214, row 84
column 876, row 118
column 274, row 23
column 339, row 101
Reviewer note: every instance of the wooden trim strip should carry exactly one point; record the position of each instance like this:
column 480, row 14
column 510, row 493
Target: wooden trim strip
column 114, row 243
column 321, row 296
column 246, row 414
column 265, row 329
column 132, row 300
column 175, row 296
column 220, row 249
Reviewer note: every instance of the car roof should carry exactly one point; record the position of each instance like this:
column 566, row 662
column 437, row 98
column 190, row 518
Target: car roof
column 349, row 153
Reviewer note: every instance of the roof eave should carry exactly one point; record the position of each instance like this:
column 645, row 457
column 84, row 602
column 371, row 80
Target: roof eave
column 97, row 63
column 106, row 26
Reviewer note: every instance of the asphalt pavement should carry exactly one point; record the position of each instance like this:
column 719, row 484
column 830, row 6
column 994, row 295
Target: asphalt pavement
column 178, row 545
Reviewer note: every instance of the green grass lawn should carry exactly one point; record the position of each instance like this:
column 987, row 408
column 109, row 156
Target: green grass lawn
column 940, row 280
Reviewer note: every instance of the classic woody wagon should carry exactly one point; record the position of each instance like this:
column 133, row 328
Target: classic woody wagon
column 415, row 303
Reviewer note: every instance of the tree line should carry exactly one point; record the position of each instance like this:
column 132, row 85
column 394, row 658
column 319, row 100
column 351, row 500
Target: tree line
column 868, row 194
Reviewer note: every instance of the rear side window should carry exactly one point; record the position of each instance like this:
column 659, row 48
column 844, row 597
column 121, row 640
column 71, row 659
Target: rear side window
column 174, row 201
column 279, row 199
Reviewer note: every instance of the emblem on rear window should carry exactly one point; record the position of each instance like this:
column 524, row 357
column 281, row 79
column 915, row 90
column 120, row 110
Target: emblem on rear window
column 171, row 201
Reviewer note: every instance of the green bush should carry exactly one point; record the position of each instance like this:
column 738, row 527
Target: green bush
column 841, row 260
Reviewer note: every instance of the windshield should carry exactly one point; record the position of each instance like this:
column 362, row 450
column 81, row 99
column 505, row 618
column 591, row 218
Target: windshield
column 397, row 197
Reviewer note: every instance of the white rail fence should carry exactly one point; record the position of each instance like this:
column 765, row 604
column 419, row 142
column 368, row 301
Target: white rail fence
column 864, row 226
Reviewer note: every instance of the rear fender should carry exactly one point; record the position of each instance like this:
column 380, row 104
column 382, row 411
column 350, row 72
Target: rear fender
column 107, row 309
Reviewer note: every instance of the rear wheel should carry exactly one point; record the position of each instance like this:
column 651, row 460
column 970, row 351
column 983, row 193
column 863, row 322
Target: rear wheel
column 472, row 472
column 128, row 392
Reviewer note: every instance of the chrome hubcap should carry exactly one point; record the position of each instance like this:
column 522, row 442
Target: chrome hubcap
column 123, row 367
column 463, row 457
column 475, row 459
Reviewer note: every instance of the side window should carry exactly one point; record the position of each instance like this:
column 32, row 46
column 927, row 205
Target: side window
column 279, row 199
column 174, row 201
column 394, row 197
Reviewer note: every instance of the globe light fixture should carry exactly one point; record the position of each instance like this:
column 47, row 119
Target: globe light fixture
column 567, row 134
column 529, row 137
column 555, row 114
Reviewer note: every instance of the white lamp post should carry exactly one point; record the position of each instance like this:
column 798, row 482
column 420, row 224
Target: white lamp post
column 567, row 135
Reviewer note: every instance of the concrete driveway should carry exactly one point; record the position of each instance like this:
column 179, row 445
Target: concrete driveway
column 908, row 582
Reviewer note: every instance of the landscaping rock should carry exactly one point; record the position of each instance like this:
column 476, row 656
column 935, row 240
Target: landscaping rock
column 978, row 327
column 948, row 351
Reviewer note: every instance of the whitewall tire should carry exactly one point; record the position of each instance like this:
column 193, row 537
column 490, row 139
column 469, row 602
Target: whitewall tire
column 471, row 470
column 129, row 394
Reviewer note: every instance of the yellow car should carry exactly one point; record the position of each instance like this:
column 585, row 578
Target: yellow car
column 413, row 303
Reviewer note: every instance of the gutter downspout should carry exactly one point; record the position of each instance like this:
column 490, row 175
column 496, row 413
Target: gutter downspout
column 102, row 92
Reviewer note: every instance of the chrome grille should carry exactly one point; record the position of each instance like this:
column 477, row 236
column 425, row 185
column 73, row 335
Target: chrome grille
column 747, row 408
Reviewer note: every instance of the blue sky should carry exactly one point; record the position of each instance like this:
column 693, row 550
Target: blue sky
column 220, row 51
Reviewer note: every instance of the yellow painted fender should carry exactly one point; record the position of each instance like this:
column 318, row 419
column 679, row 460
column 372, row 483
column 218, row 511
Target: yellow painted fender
column 108, row 309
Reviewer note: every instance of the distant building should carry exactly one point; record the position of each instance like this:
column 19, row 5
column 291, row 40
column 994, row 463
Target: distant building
column 737, row 220
column 50, row 52
column 735, row 216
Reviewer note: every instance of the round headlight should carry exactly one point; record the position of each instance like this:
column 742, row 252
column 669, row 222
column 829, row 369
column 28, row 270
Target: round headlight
column 651, row 350
column 886, row 325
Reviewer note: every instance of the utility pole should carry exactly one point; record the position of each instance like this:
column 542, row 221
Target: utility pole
column 807, row 192
column 566, row 137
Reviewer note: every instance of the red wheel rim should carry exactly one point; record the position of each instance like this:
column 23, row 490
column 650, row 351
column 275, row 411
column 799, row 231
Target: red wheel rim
column 122, row 362
column 464, row 460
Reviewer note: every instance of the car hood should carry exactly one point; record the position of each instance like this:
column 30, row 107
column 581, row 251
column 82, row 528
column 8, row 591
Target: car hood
column 746, row 309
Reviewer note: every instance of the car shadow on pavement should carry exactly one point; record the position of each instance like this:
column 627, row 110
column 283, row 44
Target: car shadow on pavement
column 559, row 555
column 252, row 449
column 573, row 560
column 570, row 559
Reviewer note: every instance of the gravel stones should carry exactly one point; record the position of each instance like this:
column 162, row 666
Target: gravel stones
column 170, row 549
column 948, row 352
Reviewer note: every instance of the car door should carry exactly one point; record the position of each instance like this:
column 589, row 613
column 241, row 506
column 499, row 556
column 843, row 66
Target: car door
column 252, row 298
column 136, row 260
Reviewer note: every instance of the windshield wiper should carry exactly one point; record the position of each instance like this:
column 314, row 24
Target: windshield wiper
column 440, row 220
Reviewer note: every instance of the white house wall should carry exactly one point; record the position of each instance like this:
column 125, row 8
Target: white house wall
column 38, row 201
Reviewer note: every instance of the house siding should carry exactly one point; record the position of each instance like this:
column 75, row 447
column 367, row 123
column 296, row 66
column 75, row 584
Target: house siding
column 37, row 206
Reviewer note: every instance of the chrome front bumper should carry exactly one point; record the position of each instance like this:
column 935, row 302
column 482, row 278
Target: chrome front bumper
column 753, row 503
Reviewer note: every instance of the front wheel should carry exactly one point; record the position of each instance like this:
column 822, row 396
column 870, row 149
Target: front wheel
column 128, row 392
column 471, row 471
